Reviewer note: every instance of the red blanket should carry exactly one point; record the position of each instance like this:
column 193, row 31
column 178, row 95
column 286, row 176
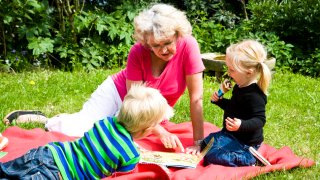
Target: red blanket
column 21, row 140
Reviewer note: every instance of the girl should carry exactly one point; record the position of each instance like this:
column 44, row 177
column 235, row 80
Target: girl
column 244, row 113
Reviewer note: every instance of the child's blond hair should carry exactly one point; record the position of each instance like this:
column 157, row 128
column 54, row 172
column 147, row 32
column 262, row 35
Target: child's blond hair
column 250, row 54
column 143, row 107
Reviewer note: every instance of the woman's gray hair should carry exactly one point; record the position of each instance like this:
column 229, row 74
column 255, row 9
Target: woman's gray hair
column 161, row 21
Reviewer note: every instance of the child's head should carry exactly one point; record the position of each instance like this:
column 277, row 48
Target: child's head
column 246, row 63
column 142, row 109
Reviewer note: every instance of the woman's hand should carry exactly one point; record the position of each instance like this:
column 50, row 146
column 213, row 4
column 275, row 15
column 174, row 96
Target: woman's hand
column 233, row 124
column 195, row 150
column 169, row 140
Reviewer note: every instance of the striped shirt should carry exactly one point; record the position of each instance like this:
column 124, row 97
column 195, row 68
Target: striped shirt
column 106, row 148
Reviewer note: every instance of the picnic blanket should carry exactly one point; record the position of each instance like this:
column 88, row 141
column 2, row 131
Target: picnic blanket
column 21, row 140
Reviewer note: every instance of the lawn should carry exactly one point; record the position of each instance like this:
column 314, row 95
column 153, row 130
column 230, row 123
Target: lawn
column 293, row 117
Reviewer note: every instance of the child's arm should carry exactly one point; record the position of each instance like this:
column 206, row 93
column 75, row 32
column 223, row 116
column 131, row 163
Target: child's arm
column 257, row 117
column 217, row 96
column 222, row 103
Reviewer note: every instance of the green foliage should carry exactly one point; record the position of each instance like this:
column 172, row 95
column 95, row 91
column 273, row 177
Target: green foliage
column 98, row 33
column 275, row 47
column 296, row 23
column 280, row 25
column 311, row 65
column 41, row 45
column 13, row 60
column 23, row 22
column 214, row 37
column 69, row 35
column 101, row 33
column 210, row 10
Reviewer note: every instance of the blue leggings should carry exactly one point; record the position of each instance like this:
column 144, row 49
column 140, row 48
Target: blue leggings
column 227, row 151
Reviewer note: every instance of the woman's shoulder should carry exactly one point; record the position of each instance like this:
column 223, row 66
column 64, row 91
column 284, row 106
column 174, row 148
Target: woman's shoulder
column 187, row 43
column 188, row 39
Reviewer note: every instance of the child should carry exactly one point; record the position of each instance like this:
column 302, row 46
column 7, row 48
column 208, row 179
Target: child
column 244, row 113
column 107, row 148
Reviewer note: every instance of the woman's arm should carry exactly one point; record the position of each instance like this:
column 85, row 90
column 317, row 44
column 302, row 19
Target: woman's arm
column 195, row 89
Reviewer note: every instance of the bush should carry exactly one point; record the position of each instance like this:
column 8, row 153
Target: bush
column 66, row 36
column 296, row 23
column 23, row 22
column 290, row 30
column 97, row 33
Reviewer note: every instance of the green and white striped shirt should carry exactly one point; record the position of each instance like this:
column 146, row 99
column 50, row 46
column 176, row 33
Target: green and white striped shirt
column 106, row 148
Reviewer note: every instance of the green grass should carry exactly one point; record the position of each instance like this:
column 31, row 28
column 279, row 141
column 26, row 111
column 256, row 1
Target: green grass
column 293, row 117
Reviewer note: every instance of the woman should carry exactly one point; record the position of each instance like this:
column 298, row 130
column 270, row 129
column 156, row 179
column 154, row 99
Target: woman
column 165, row 57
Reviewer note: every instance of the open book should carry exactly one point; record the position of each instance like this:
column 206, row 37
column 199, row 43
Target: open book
column 171, row 159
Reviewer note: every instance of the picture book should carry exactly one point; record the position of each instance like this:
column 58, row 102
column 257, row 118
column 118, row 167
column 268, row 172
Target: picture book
column 172, row 159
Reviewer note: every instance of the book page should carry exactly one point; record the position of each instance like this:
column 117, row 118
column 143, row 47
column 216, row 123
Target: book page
column 170, row 159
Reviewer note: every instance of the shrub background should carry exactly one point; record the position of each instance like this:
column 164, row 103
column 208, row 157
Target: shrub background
column 90, row 34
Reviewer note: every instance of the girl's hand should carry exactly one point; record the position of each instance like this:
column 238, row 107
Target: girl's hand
column 233, row 124
column 215, row 97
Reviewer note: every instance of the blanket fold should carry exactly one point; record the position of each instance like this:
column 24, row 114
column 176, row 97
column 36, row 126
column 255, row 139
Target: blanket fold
column 22, row 140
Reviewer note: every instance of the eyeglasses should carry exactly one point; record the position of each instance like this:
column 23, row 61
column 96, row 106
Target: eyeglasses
column 167, row 44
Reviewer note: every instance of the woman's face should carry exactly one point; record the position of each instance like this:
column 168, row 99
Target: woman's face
column 164, row 49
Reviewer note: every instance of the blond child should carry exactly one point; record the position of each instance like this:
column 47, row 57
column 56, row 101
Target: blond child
column 105, row 149
column 244, row 112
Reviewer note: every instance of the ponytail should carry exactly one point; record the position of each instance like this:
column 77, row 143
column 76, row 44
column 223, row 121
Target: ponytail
column 265, row 77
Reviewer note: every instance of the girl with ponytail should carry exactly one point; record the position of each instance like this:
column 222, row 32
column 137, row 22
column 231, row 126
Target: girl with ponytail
column 244, row 112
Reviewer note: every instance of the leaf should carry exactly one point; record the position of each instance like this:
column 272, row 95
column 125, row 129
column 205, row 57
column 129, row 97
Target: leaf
column 112, row 32
column 34, row 4
column 41, row 45
column 7, row 19
column 101, row 28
